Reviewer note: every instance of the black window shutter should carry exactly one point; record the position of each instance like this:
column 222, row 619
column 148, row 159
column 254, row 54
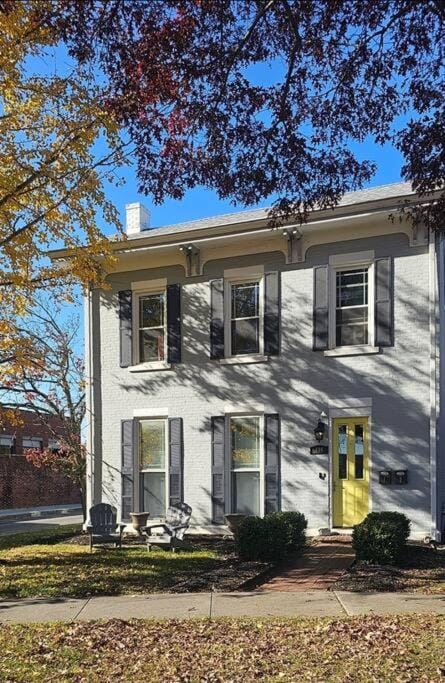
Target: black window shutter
column 127, row 468
column 218, row 461
column 272, row 463
column 174, row 323
column 176, row 459
column 383, row 314
column 321, row 308
column 217, row 318
column 125, row 325
column 272, row 314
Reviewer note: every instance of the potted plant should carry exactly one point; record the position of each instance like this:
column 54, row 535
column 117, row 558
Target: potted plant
column 139, row 520
column 233, row 520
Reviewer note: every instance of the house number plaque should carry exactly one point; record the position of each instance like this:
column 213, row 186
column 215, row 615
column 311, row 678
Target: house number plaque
column 319, row 450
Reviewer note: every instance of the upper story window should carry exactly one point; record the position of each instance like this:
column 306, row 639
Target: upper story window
column 151, row 327
column 6, row 443
column 245, row 318
column 352, row 307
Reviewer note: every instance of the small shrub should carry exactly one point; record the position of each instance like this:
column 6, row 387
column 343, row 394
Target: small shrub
column 296, row 525
column 272, row 537
column 381, row 537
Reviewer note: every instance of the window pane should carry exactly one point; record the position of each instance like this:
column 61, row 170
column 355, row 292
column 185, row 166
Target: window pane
column 359, row 451
column 245, row 442
column 30, row 442
column 151, row 310
column 245, row 336
column 245, row 300
column 352, row 326
column 246, row 492
column 151, row 345
column 152, row 444
column 5, row 450
column 153, row 493
column 352, row 288
column 342, row 452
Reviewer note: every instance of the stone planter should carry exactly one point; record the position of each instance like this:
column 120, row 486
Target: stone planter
column 233, row 521
column 139, row 520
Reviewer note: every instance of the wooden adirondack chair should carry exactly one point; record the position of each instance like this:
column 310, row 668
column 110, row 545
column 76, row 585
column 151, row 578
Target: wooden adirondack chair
column 103, row 527
column 176, row 523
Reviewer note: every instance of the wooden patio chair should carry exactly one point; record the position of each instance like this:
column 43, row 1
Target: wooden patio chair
column 103, row 527
column 177, row 521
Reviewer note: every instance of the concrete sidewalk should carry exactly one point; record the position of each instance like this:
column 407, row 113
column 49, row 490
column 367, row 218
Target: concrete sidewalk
column 254, row 604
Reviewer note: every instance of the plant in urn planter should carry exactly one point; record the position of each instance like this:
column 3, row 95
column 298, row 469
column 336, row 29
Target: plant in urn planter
column 139, row 520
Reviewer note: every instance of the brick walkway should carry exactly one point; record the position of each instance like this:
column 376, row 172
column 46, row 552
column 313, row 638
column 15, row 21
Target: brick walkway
column 317, row 569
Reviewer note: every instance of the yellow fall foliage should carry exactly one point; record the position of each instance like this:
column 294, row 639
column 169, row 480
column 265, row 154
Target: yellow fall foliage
column 51, row 181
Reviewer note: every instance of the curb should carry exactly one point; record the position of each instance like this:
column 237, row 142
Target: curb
column 40, row 514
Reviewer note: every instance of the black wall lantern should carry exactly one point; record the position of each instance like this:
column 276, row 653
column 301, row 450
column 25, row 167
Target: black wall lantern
column 319, row 430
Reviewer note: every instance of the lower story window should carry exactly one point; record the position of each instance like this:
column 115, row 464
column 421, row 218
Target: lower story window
column 152, row 464
column 245, row 459
column 30, row 443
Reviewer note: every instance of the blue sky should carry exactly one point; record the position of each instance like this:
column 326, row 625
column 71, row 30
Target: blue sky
column 201, row 202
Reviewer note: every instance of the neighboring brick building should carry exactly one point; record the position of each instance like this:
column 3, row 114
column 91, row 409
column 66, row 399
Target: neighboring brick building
column 21, row 484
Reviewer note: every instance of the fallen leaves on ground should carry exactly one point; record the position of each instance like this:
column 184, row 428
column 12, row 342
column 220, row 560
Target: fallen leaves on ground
column 421, row 570
column 367, row 649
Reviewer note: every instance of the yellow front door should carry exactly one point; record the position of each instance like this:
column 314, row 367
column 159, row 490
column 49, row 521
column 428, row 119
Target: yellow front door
column 350, row 448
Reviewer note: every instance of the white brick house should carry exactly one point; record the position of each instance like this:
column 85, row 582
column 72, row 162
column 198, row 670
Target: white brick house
column 220, row 344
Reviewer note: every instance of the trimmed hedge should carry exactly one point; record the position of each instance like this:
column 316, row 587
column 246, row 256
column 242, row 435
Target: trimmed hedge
column 271, row 537
column 381, row 537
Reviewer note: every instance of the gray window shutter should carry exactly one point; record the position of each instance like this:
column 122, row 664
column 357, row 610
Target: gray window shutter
column 383, row 314
column 218, row 461
column 125, row 325
column 272, row 463
column 217, row 318
column 127, row 468
column 321, row 308
column 272, row 314
column 174, row 323
column 176, row 450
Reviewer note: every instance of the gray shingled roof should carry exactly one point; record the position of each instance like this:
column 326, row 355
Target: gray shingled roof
column 359, row 197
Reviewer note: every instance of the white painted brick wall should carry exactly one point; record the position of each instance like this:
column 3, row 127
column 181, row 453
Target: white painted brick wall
column 298, row 385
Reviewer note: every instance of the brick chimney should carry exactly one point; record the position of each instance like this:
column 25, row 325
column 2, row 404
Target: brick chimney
column 137, row 218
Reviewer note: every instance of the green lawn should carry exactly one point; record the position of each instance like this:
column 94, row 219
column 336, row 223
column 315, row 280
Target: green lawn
column 66, row 570
column 358, row 650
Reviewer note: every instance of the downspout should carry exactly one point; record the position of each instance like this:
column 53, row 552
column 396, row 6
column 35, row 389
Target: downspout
column 89, row 400
column 434, row 368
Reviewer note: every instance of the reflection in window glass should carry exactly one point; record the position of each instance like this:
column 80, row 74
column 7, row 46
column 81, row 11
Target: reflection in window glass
column 245, row 444
column 352, row 307
column 151, row 327
column 152, row 458
column 343, row 452
column 245, row 320
column 358, row 451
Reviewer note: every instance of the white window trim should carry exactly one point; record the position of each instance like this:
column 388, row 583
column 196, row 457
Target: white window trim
column 228, row 460
column 153, row 287
column 157, row 469
column 337, row 264
column 234, row 277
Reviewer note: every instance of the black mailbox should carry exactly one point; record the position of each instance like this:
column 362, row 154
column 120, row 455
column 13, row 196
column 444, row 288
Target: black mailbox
column 385, row 477
column 400, row 476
